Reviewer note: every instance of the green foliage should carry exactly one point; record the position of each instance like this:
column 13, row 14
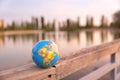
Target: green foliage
column 103, row 22
column 42, row 23
column 1, row 29
column 89, row 22
column 116, row 20
column 68, row 25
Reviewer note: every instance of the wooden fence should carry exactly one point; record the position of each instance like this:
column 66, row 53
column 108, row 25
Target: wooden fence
column 68, row 65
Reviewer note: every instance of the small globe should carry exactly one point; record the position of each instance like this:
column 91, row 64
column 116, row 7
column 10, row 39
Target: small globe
column 45, row 53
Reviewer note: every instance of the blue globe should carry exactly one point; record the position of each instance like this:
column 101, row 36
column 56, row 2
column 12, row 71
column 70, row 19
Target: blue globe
column 45, row 53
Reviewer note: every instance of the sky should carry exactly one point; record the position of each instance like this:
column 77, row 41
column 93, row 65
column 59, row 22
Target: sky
column 22, row 10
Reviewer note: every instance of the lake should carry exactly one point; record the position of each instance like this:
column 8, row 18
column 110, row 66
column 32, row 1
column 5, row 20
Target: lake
column 16, row 48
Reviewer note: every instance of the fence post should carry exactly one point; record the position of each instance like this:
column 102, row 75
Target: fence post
column 114, row 71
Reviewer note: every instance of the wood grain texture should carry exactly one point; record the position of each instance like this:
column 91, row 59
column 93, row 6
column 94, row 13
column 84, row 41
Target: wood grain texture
column 88, row 57
column 29, row 72
column 66, row 65
column 95, row 75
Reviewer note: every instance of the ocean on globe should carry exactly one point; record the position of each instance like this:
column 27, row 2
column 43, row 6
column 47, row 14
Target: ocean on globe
column 45, row 53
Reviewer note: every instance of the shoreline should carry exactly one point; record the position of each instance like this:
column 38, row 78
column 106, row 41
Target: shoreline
column 20, row 32
column 11, row 32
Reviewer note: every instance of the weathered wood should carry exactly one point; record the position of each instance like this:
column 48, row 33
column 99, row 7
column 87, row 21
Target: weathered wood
column 98, row 73
column 88, row 57
column 113, row 72
column 118, row 76
column 29, row 72
column 66, row 65
column 101, row 72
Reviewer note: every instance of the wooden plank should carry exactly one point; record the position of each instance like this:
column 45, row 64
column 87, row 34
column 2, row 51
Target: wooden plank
column 118, row 76
column 95, row 75
column 29, row 72
column 89, row 56
column 99, row 72
column 66, row 65
column 113, row 72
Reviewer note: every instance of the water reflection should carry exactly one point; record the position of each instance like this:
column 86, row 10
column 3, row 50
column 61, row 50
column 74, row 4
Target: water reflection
column 89, row 36
column 116, row 35
column 15, row 49
column 104, row 36
column 1, row 40
column 72, row 35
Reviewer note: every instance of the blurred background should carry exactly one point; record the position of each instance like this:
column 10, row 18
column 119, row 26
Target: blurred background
column 71, row 24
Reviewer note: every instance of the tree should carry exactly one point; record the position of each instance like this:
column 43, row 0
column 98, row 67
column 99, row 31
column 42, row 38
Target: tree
column 91, row 22
column 42, row 22
column 87, row 22
column 78, row 22
column 1, row 24
column 37, row 23
column 102, row 21
column 53, row 24
column 116, row 19
column 13, row 26
column 34, row 23
column 68, row 23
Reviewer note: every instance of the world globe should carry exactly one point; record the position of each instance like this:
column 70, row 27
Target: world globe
column 45, row 53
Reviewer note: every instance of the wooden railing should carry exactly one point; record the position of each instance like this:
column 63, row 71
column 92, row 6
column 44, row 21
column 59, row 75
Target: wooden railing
column 68, row 65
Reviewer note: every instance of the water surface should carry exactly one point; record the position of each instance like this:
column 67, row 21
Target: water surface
column 15, row 49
